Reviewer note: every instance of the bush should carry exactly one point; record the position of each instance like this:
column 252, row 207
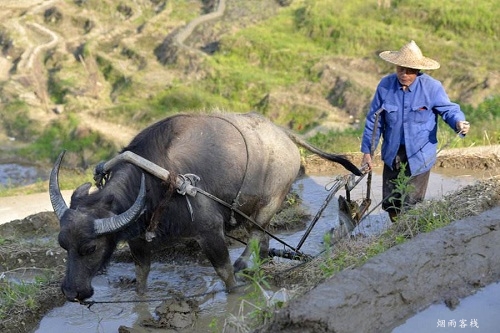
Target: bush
column 16, row 121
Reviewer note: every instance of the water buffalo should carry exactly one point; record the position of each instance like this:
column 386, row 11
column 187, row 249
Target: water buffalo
column 242, row 159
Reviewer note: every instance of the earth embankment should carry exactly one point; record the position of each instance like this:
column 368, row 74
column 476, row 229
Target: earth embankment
column 441, row 266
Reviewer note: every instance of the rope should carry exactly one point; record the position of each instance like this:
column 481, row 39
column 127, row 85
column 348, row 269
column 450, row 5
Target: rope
column 89, row 304
column 222, row 202
column 236, row 200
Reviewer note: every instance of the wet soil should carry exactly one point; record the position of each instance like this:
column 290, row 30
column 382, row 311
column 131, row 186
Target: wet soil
column 456, row 261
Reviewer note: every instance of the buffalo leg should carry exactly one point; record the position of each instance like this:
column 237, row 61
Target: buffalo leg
column 217, row 252
column 262, row 218
column 141, row 253
column 242, row 262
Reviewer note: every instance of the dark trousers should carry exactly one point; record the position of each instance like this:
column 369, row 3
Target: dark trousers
column 413, row 192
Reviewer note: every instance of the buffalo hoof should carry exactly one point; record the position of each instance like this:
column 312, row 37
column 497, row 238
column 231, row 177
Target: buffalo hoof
column 239, row 265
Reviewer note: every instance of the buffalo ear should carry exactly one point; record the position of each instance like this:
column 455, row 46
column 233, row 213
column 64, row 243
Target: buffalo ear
column 81, row 192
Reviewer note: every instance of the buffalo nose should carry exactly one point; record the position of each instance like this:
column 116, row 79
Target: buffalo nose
column 70, row 297
column 75, row 296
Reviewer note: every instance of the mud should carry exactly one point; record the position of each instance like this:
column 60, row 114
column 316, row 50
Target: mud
column 442, row 266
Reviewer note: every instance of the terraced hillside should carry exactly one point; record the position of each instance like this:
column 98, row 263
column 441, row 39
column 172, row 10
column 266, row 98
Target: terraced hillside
column 102, row 69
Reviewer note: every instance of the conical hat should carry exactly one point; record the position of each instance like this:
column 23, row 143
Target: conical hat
column 409, row 56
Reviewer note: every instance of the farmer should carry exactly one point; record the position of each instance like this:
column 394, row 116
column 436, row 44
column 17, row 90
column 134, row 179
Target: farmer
column 407, row 103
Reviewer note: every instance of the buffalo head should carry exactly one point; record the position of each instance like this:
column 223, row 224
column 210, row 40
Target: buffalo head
column 87, row 232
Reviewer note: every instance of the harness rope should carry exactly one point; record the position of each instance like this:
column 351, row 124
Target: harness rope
column 89, row 304
column 222, row 202
column 236, row 202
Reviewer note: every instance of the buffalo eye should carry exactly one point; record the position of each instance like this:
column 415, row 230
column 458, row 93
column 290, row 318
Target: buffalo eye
column 87, row 249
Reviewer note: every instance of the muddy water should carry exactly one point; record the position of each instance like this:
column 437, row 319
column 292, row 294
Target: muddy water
column 165, row 280
column 476, row 313
column 18, row 175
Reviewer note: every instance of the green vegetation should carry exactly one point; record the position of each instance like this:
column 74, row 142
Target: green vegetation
column 281, row 52
column 9, row 190
column 66, row 133
column 402, row 189
column 16, row 121
column 345, row 141
column 13, row 295
column 23, row 297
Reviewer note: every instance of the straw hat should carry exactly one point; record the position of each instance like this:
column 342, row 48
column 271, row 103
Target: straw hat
column 409, row 56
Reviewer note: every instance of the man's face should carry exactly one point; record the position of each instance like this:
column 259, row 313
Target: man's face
column 406, row 75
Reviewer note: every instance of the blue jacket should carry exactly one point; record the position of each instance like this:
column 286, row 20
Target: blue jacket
column 409, row 118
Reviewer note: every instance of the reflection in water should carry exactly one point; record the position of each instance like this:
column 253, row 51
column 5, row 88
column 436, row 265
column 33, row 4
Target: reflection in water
column 166, row 280
column 476, row 313
column 19, row 175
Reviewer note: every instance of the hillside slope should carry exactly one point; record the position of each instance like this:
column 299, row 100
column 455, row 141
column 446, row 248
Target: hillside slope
column 104, row 61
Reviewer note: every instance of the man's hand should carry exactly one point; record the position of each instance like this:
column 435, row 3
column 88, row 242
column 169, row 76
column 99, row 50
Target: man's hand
column 463, row 127
column 366, row 163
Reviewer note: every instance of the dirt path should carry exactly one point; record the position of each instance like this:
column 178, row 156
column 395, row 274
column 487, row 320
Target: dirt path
column 19, row 207
column 181, row 37
column 22, row 3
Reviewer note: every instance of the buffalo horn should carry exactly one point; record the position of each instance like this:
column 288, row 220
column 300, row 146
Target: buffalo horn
column 56, row 197
column 115, row 223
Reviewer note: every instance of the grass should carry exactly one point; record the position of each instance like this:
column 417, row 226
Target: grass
column 16, row 296
column 67, row 133
column 16, row 121
column 259, row 302
column 24, row 299
column 69, row 179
